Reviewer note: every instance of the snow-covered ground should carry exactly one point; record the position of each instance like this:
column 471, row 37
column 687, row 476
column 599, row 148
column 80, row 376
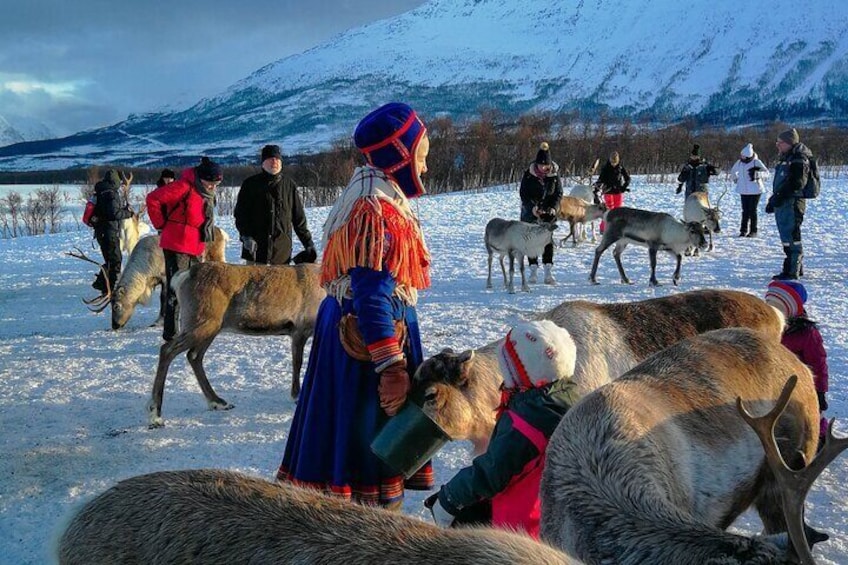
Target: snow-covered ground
column 72, row 392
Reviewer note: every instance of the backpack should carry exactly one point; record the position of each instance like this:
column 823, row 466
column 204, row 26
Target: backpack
column 88, row 213
column 813, row 186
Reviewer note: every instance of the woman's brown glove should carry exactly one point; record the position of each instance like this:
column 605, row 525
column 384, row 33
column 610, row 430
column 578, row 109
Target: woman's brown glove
column 394, row 386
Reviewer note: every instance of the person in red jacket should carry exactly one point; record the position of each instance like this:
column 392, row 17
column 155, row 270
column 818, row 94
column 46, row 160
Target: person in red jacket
column 801, row 336
column 183, row 212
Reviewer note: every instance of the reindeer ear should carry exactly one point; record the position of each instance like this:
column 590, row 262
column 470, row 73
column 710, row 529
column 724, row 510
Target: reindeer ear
column 464, row 367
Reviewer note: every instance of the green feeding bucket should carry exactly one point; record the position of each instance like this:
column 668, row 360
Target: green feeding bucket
column 408, row 440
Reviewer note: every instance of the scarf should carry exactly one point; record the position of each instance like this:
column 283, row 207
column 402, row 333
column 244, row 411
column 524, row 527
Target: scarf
column 372, row 225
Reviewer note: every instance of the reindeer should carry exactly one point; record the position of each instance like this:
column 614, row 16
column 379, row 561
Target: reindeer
column 517, row 240
column 145, row 271
column 697, row 208
column 577, row 213
column 245, row 299
column 214, row 516
column 655, row 230
column 589, row 193
column 654, row 467
column 132, row 228
column 461, row 390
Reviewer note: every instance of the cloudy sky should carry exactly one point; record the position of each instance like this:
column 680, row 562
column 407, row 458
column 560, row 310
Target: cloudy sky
column 79, row 64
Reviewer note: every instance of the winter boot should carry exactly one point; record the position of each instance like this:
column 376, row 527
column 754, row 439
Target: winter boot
column 549, row 278
column 782, row 274
column 532, row 278
column 752, row 233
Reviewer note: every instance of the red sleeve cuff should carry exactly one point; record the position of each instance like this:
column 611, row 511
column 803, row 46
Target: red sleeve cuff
column 385, row 352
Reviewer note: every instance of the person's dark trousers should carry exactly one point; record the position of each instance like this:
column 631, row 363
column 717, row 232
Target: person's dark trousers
column 547, row 256
column 789, row 217
column 110, row 246
column 174, row 262
column 750, row 203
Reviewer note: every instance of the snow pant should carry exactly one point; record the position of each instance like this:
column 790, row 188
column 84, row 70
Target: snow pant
column 174, row 261
column 789, row 217
column 612, row 201
column 110, row 246
column 750, row 203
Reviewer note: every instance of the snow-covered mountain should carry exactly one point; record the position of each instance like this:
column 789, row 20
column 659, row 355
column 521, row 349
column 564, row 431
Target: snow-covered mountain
column 8, row 134
column 728, row 62
column 18, row 128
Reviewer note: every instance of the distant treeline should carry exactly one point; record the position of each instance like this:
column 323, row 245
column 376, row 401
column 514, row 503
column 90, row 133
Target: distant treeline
column 491, row 150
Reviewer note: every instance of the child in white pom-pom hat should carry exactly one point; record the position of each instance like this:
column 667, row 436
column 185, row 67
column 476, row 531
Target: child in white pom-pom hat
column 537, row 360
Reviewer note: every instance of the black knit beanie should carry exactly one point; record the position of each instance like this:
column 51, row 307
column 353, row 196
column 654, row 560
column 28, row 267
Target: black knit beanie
column 209, row 170
column 543, row 157
column 696, row 151
column 790, row 136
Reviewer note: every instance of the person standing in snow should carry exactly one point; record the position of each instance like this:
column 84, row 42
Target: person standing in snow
column 786, row 201
column 374, row 263
column 695, row 174
column 537, row 360
column 613, row 181
column 541, row 192
column 167, row 176
column 749, row 173
column 110, row 208
column 802, row 337
column 268, row 207
column 184, row 212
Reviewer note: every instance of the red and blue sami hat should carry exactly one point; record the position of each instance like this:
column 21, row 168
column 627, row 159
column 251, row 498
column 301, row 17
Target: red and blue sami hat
column 388, row 138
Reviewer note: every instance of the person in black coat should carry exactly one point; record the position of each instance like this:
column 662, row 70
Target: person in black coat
column 541, row 192
column 695, row 174
column 268, row 208
column 109, row 209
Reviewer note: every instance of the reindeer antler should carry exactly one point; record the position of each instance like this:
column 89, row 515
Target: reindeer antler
column 99, row 303
column 794, row 485
column 720, row 197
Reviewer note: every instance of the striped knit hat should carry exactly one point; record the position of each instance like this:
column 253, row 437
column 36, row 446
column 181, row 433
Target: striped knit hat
column 535, row 354
column 388, row 138
column 787, row 296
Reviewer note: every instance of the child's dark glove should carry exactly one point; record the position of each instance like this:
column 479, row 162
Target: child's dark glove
column 822, row 401
column 679, row 188
column 441, row 516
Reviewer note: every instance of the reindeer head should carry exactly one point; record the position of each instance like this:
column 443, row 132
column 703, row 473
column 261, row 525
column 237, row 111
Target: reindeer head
column 697, row 235
column 447, row 387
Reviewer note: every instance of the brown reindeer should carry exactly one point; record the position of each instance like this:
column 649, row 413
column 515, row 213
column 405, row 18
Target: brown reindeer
column 216, row 517
column 252, row 300
column 461, row 390
column 655, row 466
column 577, row 211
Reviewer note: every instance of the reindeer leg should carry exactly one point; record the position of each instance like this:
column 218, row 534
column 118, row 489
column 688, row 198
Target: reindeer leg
column 167, row 353
column 298, row 342
column 489, row 278
column 652, row 259
column 195, row 359
column 503, row 270
column 711, row 240
column 511, row 286
column 676, row 277
column 616, row 253
column 163, row 300
column 524, row 286
column 599, row 250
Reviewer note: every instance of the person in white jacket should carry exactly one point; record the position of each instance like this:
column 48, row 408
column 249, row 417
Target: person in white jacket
column 749, row 173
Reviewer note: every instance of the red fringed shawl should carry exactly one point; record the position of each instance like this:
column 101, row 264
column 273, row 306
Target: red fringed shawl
column 378, row 235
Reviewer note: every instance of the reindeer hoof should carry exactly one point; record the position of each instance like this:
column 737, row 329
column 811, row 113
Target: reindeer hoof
column 525, row 289
column 156, row 423
column 626, row 281
column 656, row 283
column 222, row 405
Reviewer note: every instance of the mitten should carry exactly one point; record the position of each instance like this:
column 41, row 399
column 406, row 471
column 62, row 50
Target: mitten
column 679, row 188
column 308, row 255
column 393, row 388
column 249, row 245
column 770, row 206
column 752, row 173
column 441, row 516
column 822, row 401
